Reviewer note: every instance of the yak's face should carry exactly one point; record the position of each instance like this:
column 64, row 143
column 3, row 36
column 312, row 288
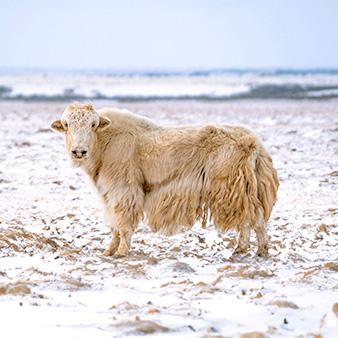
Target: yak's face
column 80, row 123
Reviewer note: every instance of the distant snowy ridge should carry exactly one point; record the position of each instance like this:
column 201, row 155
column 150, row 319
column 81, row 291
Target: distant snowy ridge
column 147, row 86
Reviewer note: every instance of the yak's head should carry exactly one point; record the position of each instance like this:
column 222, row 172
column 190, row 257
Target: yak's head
column 80, row 123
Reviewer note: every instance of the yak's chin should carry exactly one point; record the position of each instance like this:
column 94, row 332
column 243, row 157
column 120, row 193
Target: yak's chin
column 77, row 162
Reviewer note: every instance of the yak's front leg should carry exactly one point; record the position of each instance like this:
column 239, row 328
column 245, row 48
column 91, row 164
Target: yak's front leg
column 125, row 234
column 126, row 214
column 121, row 238
column 110, row 222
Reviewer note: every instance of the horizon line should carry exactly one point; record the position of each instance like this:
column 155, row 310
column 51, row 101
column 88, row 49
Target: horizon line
column 173, row 70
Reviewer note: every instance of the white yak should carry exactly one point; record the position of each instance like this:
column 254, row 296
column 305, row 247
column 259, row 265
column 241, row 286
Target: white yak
column 171, row 176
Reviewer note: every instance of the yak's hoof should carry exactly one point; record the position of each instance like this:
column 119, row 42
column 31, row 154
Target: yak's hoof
column 108, row 253
column 121, row 252
column 263, row 252
column 240, row 251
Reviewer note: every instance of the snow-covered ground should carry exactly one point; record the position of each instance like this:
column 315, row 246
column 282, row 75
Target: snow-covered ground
column 54, row 281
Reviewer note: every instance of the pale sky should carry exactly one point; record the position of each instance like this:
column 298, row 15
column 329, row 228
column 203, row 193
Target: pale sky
column 172, row 34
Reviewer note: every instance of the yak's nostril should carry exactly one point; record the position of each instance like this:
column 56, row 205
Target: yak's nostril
column 78, row 153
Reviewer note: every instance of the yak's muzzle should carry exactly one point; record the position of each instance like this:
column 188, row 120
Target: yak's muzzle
column 79, row 154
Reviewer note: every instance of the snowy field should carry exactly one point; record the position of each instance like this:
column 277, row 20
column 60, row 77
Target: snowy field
column 54, row 281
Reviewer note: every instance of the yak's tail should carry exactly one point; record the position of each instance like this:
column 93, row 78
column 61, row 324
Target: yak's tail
column 267, row 183
column 249, row 187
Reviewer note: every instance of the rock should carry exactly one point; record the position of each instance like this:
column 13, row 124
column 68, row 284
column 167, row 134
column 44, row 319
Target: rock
column 175, row 248
column 322, row 228
column 253, row 335
column 153, row 311
column 333, row 210
column 248, row 272
column 125, row 306
column 23, row 144
column 284, row 303
column 14, row 289
column 182, row 267
column 258, row 295
column 149, row 327
column 152, row 261
column 331, row 266
column 141, row 327
column 44, row 130
column 74, row 283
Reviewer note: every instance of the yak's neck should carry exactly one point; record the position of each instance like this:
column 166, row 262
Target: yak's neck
column 92, row 167
column 93, row 164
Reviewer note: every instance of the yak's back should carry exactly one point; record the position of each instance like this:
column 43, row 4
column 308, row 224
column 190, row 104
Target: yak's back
column 123, row 120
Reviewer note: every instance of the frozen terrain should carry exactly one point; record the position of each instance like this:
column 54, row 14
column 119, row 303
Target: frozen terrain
column 54, row 281
column 133, row 85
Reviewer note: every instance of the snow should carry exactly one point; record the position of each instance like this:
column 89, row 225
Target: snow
column 55, row 282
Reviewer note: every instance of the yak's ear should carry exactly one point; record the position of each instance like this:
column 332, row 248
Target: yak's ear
column 57, row 126
column 104, row 123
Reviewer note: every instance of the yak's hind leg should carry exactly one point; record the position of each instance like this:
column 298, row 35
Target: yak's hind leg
column 113, row 245
column 244, row 240
column 262, row 237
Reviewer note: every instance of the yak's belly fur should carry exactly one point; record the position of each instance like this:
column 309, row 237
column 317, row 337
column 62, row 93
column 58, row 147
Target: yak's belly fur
column 198, row 172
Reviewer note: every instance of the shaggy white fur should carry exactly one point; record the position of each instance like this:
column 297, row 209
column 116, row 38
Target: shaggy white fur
column 172, row 177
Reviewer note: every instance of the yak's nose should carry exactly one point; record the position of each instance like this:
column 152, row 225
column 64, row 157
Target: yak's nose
column 79, row 153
